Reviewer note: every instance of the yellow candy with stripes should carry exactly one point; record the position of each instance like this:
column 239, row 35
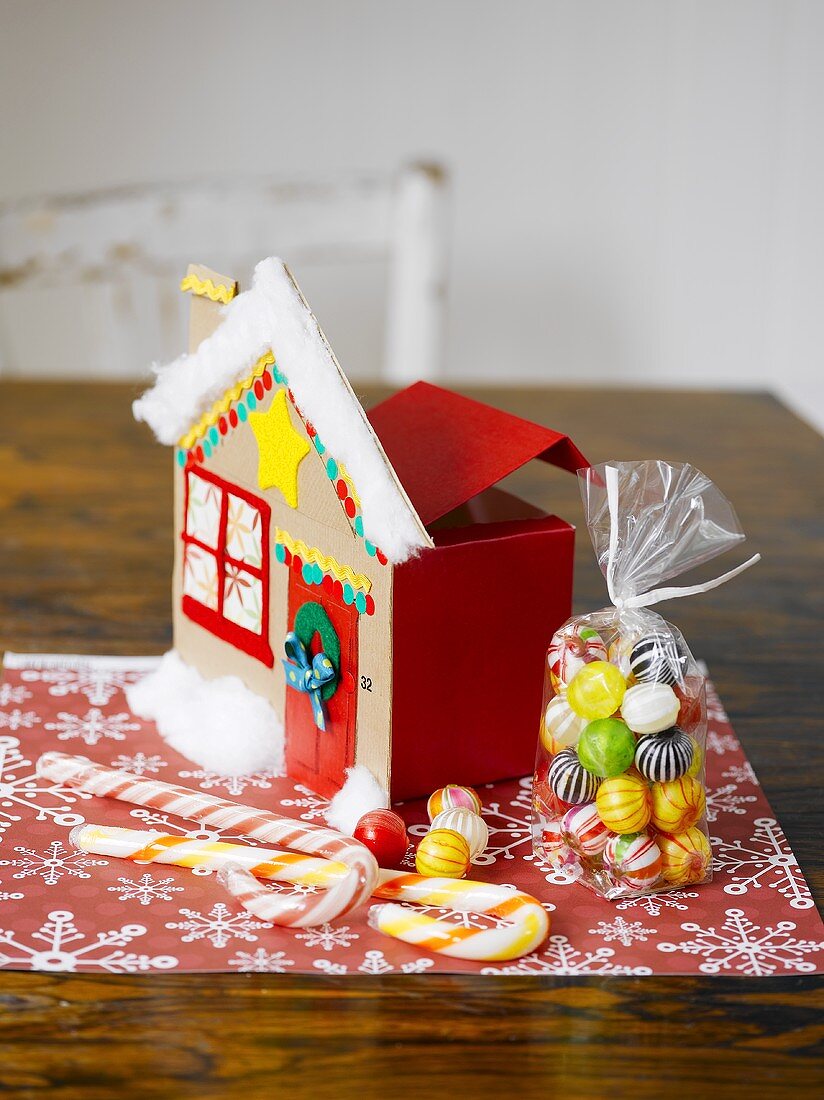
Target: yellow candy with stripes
column 678, row 804
column 442, row 853
column 686, row 857
column 623, row 803
column 596, row 691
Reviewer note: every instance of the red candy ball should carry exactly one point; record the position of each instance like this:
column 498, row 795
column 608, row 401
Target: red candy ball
column 384, row 834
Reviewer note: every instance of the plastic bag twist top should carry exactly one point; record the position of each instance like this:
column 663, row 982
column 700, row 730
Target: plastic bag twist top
column 650, row 521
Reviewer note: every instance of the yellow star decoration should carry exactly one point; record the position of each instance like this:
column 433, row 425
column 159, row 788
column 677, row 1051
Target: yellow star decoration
column 281, row 450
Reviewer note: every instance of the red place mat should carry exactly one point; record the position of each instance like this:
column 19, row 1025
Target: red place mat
column 64, row 910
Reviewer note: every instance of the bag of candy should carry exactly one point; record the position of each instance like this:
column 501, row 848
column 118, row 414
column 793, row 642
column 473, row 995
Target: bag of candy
column 619, row 793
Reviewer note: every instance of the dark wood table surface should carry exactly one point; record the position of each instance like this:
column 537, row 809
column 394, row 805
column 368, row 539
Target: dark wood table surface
column 85, row 559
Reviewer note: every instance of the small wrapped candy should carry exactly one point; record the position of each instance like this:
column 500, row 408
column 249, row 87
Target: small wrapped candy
column 618, row 790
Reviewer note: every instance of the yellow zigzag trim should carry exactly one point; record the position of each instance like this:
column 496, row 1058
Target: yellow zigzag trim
column 205, row 288
column 353, row 493
column 327, row 563
column 228, row 399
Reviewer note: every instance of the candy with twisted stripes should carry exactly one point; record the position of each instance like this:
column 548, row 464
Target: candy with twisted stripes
column 656, row 659
column 240, row 866
column 660, row 757
column 526, row 927
column 344, row 894
column 570, row 780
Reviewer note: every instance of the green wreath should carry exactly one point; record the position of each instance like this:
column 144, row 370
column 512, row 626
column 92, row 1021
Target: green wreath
column 311, row 619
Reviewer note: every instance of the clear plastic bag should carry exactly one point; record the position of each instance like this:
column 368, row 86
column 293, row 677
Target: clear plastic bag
column 619, row 794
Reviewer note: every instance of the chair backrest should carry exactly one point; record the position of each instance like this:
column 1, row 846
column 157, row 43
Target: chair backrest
column 88, row 283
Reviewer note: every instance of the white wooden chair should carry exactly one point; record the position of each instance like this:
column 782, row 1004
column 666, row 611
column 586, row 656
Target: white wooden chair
column 88, row 282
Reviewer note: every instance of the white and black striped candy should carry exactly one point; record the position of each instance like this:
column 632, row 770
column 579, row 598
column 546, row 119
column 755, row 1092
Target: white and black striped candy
column 664, row 756
column 656, row 659
column 570, row 780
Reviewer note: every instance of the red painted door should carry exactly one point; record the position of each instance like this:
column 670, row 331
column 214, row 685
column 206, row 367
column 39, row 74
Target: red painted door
column 316, row 757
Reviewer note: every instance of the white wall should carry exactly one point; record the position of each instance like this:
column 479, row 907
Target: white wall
column 636, row 185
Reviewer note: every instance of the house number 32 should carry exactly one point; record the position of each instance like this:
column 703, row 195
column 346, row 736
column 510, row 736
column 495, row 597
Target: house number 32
column 366, row 683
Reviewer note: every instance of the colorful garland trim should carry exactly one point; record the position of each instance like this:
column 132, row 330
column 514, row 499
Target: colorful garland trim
column 205, row 288
column 233, row 409
column 313, row 573
column 310, row 555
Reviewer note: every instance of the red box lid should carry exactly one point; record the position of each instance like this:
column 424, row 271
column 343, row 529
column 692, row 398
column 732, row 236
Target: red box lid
column 446, row 448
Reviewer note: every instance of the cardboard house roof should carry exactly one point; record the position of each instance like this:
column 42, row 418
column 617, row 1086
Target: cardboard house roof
column 446, row 448
column 417, row 456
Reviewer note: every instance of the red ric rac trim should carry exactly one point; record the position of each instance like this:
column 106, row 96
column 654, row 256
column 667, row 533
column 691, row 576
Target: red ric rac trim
column 256, row 645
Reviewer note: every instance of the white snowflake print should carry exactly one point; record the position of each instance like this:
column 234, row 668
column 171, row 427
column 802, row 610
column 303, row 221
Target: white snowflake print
column 311, row 805
column 328, row 937
column 218, row 926
column 59, row 931
column 92, row 726
column 145, row 890
column 233, row 784
column 741, row 773
column 715, row 708
column 764, row 859
column 652, row 904
column 560, row 957
column 721, row 743
column 52, row 864
column 22, row 789
column 621, row 931
column 375, row 962
column 261, row 962
column 18, row 719
column 746, row 947
column 13, row 693
column 139, row 764
column 727, row 800
column 99, row 685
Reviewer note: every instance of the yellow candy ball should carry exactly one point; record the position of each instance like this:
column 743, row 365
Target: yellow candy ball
column 442, row 853
column 596, row 691
column 697, row 759
column 623, row 803
column 678, row 804
column 685, row 857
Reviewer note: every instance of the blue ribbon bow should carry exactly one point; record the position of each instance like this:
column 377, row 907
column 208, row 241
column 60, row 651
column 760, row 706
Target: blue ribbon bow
column 308, row 675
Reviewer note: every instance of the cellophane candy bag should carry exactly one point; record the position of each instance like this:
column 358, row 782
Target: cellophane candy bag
column 619, row 796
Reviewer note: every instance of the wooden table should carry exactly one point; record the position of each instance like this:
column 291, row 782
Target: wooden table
column 85, row 500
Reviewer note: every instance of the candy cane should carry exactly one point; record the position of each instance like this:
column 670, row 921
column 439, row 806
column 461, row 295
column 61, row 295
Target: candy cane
column 349, row 891
column 239, row 868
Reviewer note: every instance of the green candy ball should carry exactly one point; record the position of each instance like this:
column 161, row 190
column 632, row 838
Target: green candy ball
column 607, row 747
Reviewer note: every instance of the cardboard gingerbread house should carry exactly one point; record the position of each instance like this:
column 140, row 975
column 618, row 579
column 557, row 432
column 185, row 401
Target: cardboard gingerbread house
column 359, row 571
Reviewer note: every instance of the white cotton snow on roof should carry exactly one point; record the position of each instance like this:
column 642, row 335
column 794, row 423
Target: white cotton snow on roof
column 272, row 315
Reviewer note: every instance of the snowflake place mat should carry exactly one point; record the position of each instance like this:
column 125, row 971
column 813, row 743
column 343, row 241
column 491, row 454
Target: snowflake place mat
column 64, row 910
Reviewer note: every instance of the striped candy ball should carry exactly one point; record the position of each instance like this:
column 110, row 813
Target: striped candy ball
column 571, row 648
column 633, row 861
column 450, row 796
column 655, row 659
column 562, row 725
column 678, row 804
column 686, row 857
column 584, row 831
column 442, row 853
column 650, row 708
column 470, row 825
column 624, row 803
column 570, row 780
column 664, row 756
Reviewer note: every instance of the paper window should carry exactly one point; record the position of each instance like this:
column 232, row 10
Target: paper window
column 225, row 562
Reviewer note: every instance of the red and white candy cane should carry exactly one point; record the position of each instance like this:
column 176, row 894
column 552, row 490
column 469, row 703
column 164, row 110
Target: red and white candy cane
column 343, row 894
column 525, row 922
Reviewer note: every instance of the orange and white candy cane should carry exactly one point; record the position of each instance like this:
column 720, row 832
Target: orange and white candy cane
column 347, row 891
column 240, row 867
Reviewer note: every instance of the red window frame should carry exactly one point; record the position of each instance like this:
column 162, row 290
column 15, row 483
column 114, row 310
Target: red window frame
column 256, row 645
